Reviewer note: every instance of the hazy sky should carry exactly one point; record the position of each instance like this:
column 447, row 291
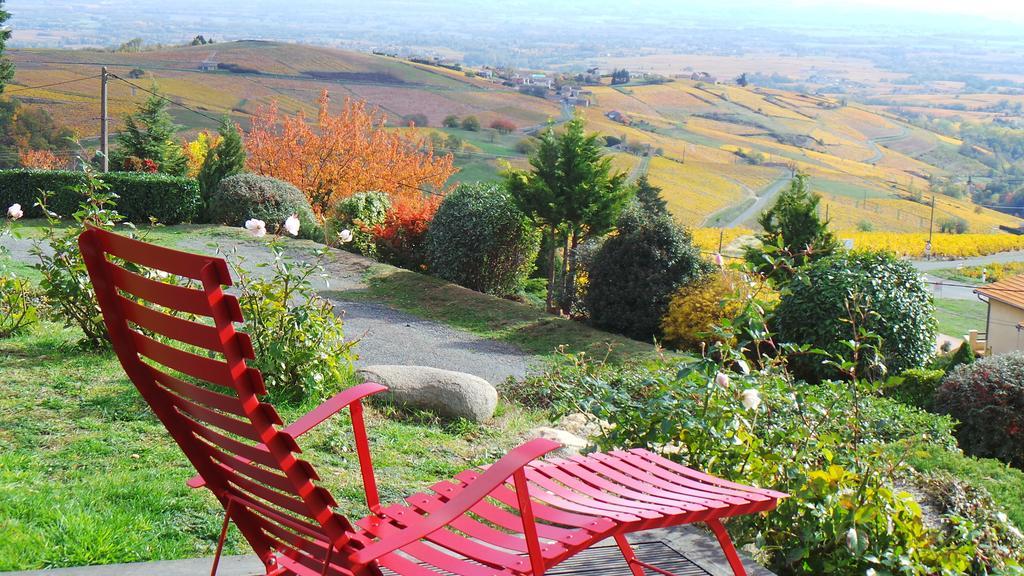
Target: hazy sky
column 995, row 9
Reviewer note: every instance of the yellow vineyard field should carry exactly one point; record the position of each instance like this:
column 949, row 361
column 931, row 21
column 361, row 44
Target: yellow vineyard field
column 694, row 190
column 943, row 245
column 708, row 238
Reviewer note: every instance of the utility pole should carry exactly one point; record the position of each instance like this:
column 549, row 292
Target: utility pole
column 104, row 122
column 931, row 220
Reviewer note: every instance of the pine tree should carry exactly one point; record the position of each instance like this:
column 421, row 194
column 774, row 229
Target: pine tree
column 793, row 226
column 226, row 159
column 573, row 194
column 6, row 66
column 649, row 196
column 149, row 134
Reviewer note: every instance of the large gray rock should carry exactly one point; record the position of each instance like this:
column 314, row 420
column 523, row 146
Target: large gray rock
column 443, row 392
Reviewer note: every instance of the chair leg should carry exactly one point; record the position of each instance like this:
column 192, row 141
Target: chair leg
column 629, row 555
column 726, row 543
column 223, row 536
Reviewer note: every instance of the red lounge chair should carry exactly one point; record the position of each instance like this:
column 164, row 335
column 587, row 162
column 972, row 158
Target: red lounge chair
column 520, row 516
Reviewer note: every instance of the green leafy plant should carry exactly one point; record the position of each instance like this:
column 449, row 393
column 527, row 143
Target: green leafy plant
column 300, row 344
column 247, row 196
column 150, row 134
column 814, row 310
column 65, row 281
column 480, row 239
column 987, row 398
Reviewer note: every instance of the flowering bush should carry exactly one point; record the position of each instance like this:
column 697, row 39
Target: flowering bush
column 401, row 239
column 299, row 342
column 480, row 239
column 19, row 301
column 987, row 398
column 65, row 282
column 819, row 443
column 358, row 214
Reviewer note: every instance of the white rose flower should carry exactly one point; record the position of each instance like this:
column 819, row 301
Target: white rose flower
column 722, row 379
column 257, row 228
column 751, row 399
column 291, row 225
column 719, row 261
column 14, row 212
column 345, row 236
column 851, row 538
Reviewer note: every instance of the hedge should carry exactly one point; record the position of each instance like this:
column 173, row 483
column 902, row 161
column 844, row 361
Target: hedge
column 169, row 199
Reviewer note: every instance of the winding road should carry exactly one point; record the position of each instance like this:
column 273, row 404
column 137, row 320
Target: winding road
column 764, row 196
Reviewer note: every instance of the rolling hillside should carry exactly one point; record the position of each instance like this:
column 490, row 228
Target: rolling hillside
column 719, row 151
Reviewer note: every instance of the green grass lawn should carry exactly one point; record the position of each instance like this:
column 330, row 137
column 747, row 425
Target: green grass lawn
column 89, row 476
column 956, row 317
column 525, row 326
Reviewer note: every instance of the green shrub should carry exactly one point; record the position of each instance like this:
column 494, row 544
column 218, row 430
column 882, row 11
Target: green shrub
column 987, row 398
column 169, row 199
column 245, row 196
column 299, row 342
column 480, row 239
column 915, row 387
column 226, row 159
column 816, row 309
column 359, row 214
column 635, row 273
column 22, row 186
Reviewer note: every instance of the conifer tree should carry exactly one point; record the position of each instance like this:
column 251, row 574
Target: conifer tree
column 6, row 66
column 226, row 159
column 793, row 226
column 649, row 196
column 573, row 194
column 149, row 134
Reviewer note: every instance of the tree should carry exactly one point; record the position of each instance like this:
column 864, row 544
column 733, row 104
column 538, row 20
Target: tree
column 741, row 80
column 503, row 126
column 620, row 76
column 344, row 153
column 634, row 275
column 225, row 159
column 41, row 160
column 149, row 134
column 572, row 195
column 471, row 124
column 793, row 226
column 415, row 120
column 649, row 196
column 199, row 41
column 6, row 66
column 451, row 121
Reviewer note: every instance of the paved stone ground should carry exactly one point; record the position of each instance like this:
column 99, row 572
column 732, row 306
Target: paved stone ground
column 386, row 336
column 696, row 545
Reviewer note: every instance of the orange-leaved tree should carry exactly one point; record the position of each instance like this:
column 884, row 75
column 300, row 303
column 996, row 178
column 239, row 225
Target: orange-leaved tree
column 41, row 160
column 343, row 154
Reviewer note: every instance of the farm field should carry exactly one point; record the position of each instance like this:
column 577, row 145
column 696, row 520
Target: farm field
column 714, row 146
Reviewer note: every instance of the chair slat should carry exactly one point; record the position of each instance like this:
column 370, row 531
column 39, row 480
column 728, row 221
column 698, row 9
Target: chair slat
column 170, row 296
column 257, row 454
column 175, row 262
column 245, row 467
column 222, row 402
column 206, row 369
column 182, row 330
column 266, row 494
column 206, row 416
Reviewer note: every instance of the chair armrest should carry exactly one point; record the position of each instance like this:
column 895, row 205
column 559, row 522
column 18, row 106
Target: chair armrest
column 496, row 475
column 314, row 417
column 330, row 407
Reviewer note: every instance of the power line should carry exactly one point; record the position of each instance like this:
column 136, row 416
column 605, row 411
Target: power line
column 24, row 88
column 164, row 98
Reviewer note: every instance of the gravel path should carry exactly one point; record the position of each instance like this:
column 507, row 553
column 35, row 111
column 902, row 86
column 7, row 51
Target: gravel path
column 386, row 336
